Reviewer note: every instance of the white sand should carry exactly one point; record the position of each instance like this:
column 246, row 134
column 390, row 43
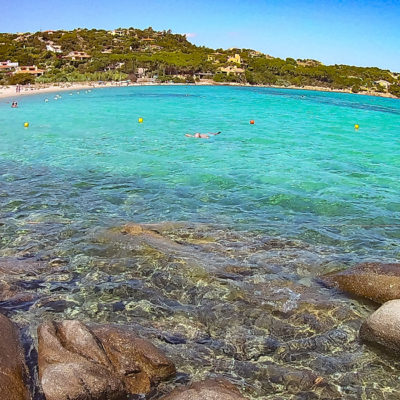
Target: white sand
column 10, row 93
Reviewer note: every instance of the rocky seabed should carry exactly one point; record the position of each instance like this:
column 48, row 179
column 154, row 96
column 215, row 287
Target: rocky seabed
column 178, row 311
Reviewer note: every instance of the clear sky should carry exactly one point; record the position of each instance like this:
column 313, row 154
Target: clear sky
column 355, row 32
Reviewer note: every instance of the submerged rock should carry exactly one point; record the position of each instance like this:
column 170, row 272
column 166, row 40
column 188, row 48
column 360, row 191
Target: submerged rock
column 210, row 389
column 16, row 266
column 383, row 326
column 12, row 364
column 375, row 281
column 99, row 362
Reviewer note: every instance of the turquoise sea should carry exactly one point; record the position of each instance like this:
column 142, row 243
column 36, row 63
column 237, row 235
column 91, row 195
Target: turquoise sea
column 259, row 212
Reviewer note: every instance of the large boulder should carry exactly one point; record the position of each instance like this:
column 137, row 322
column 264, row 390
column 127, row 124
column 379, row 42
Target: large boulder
column 12, row 364
column 383, row 326
column 210, row 389
column 137, row 361
column 77, row 362
column 375, row 281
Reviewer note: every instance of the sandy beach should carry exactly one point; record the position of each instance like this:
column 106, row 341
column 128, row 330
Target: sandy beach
column 10, row 93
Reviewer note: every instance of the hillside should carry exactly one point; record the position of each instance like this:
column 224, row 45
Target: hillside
column 134, row 54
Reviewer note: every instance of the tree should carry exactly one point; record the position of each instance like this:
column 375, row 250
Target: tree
column 395, row 90
column 21, row 79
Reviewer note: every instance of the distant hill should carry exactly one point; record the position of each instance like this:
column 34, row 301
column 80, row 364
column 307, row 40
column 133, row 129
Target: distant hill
column 135, row 54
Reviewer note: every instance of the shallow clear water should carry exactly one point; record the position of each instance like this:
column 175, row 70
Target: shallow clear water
column 268, row 207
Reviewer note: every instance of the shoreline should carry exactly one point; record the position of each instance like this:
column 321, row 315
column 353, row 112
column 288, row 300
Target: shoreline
column 9, row 92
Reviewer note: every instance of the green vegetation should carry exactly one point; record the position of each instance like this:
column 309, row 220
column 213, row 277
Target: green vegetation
column 166, row 57
column 21, row 79
column 395, row 90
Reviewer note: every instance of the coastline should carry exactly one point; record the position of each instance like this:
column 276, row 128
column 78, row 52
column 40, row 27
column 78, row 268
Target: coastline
column 9, row 92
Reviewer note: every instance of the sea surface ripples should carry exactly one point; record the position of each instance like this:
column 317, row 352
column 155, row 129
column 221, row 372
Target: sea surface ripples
column 236, row 230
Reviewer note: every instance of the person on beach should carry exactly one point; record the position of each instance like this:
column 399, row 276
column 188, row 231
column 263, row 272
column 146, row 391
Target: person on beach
column 202, row 135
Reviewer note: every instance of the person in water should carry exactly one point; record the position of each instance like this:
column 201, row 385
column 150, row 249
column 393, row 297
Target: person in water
column 14, row 104
column 202, row 135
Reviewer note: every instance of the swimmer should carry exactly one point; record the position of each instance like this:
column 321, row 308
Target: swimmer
column 202, row 135
column 14, row 104
column 46, row 100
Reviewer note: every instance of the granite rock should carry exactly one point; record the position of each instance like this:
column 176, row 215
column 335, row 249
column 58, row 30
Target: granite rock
column 13, row 370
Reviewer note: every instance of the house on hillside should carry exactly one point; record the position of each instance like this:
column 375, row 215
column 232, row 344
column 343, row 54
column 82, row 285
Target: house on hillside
column 203, row 75
column 141, row 72
column 29, row 69
column 114, row 66
column 118, row 32
column 231, row 69
column 77, row 56
column 7, row 65
column 148, row 39
column 235, row 59
column 54, row 48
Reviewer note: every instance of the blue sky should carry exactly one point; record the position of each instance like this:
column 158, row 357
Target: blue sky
column 355, row 32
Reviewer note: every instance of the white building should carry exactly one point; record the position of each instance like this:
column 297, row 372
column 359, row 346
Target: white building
column 7, row 65
column 54, row 48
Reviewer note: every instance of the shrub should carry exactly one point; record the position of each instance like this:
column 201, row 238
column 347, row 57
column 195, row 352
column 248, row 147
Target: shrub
column 395, row 90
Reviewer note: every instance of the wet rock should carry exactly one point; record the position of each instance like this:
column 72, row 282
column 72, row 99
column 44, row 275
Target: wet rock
column 57, row 306
column 6, row 291
column 172, row 339
column 136, row 229
column 118, row 306
column 20, row 301
column 57, row 262
column 98, row 362
column 293, row 380
column 240, row 270
column 138, row 361
column 383, row 326
column 329, row 341
column 210, row 389
column 375, row 281
column 16, row 266
column 33, row 284
column 12, row 365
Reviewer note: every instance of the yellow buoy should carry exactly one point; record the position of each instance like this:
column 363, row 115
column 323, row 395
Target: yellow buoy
column 140, row 120
column 356, row 126
column 26, row 124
